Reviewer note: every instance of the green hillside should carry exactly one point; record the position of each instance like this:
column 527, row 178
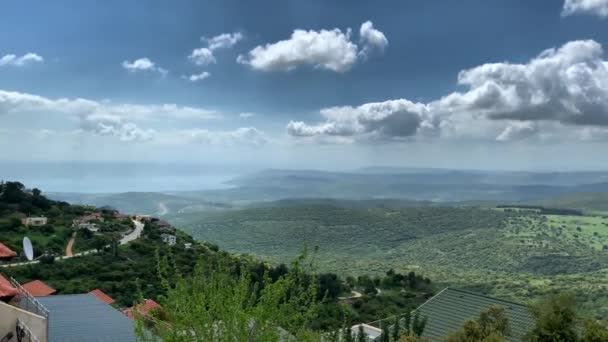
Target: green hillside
column 511, row 253
column 591, row 201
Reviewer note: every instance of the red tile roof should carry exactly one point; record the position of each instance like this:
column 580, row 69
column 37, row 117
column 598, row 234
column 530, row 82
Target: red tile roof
column 144, row 308
column 101, row 295
column 6, row 252
column 38, row 289
column 6, row 288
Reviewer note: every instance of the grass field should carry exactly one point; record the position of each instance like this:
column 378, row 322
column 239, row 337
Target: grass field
column 518, row 255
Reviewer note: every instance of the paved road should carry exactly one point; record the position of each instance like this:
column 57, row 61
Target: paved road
column 135, row 234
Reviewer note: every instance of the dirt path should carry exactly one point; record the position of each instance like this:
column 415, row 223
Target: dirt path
column 68, row 249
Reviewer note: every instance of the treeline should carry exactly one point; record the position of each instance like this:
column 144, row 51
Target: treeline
column 543, row 210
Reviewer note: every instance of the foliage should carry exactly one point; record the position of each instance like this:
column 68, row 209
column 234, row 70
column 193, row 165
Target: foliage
column 213, row 305
column 491, row 326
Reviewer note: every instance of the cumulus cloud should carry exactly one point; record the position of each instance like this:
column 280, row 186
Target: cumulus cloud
column 596, row 7
column 101, row 118
column 326, row 49
column 250, row 136
column 390, row 120
column 202, row 56
column 331, row 50
column 19, row 61
column 246, row 115
column 566, row 86
column 371, row 38
column 223, row 41
column 205, row 56
column 143, row 64
column 198, row 77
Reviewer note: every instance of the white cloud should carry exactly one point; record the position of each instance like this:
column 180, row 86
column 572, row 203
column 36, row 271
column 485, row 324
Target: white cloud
column 246, row 115
column 223, row 41
column 249, row 136
column 198, row 77
column 371, row 38
column 14, row 60
column 518, row 130
column 597, row 7
column 205, row 56
column 389, row 120
column 568, row 85
column 202, row 56
column 143, row 64
column 561, row 87
column 325, row 49
column 101, row 118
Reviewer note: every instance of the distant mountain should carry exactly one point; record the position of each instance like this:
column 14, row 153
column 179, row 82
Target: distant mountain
column 150, row 203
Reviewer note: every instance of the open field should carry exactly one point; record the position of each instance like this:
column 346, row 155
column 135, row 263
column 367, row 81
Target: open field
column 519, row 255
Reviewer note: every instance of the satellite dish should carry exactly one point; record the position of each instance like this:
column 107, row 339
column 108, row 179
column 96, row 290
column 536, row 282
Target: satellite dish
column 28, row 249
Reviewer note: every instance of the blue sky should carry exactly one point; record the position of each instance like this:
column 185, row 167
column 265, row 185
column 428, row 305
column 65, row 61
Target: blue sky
column 355, row 84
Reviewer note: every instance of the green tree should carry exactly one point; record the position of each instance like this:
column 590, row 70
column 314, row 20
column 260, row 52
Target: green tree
column 361, row 335
column 555, row 320
column 215, row 305
column 491, row 326
column 594, row 332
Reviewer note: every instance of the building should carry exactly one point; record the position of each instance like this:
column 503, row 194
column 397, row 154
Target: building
column 38, row 288
column 169, row 239
column 6, row 253
column 62, row 318
column 34, row 221
column 84, row 317
column 102, row 296
column 143, row 218
column 188, row 245
column 144, row 309
column 7, row 290
column 120, row 216
column 94, row 227
column 448, row 310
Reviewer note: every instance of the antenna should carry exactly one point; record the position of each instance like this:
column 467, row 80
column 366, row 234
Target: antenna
column 28, row 249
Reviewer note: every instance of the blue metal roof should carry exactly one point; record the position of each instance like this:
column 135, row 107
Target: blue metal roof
column 84, row 317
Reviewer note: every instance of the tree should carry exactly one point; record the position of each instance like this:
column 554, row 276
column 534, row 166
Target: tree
column 361, row 335
column 491, row 326
column 594, row 332
column 418, row 325
column 555, row 320
column 215, row 305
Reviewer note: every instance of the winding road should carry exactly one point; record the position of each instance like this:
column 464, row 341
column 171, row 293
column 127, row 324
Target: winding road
column 134, row 235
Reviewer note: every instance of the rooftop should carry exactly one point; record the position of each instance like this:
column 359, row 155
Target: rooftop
column 84, row 317
column 101, row 295
column 38, row 288
column 6, row 252
column 7, row 290
column 451, row 308
column 144, row 308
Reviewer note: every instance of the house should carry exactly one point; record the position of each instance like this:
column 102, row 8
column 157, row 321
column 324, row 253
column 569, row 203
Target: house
column 6, row 253
column 448, row 310
column 7, row 290
column 145, row 308
column 169, row 239
column 104, row 297
column 165, row 227
column 90, row 226
column 84, row 317
column 34, row 221
column 188, row 245
column 120, row 216
column 38, row 288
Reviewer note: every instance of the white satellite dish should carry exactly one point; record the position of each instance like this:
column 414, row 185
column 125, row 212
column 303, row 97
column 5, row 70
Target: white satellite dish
column 28, row 249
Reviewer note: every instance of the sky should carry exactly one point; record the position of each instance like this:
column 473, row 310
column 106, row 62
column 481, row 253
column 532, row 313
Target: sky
column 487, row 84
